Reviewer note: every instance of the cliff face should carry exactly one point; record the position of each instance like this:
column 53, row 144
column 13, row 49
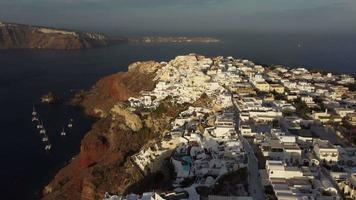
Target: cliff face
column 118, row 87
column 17, row 36
column 103, row 163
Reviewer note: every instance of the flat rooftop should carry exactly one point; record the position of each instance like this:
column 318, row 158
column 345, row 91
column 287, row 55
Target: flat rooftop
column 291, row 146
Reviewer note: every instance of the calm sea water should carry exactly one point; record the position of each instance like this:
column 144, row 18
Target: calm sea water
column 26, row 75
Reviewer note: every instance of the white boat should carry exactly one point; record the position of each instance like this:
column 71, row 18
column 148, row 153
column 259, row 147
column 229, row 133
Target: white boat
column 63, row 133
column 40, row 125
column 34, row 118
column 45, row 139
column 34, row 113
column 48, row 147
column 43, row 131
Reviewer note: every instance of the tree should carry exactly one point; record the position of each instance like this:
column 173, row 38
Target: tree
column 302, row 109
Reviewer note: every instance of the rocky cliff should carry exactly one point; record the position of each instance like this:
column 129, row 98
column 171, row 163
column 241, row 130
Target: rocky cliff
column 103, row 163
column 18, row 36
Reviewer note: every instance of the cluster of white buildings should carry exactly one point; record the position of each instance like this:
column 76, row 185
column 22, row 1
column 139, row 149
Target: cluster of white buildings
column 300, row 162
column 184, row 79
column 295, row 170
column 257, row 102
column 209, row 155
column 200, row 154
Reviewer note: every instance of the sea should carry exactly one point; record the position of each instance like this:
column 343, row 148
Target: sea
column 25, row 75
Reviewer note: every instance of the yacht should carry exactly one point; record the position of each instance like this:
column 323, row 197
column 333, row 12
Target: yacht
column 48, row 147
column 63, row 133
column 34, row 118
column 43, row 131
column 70, row 124
column 40, row 125
column 34, row 113
column 45, row 139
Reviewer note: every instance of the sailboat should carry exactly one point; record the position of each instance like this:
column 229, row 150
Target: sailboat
column 48, row 147
column 63, row 133
column 34, row 113
column 45, row 139
column 43, row 131
column 70, row 124
column 34, row 118
column 40, row 125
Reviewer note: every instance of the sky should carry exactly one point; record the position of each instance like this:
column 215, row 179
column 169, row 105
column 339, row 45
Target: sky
column 135, row 16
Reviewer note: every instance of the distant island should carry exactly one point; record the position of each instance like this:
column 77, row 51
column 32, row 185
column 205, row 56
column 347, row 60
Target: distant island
column 20, row 36
column 172, row 39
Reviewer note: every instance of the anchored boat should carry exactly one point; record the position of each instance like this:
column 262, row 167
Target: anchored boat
column 34, row 113
column 34, row 119
column 43, row 131
column 48, row 147
column 70, row 124
column 63, row 133
column 45, row 139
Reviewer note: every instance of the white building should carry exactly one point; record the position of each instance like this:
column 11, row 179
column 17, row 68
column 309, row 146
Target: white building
column 325, row 151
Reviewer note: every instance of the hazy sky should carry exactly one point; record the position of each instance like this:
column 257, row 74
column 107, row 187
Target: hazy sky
column 185, row 15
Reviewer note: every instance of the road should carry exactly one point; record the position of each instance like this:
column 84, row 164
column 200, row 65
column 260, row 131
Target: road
column 256, row 189
column 255, row 185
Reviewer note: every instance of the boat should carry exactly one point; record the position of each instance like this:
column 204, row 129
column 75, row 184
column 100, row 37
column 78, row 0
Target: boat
column 63, row 133
column 34, row 118
column 34, row 113
column 48, row 147
column 50, row 98
column 43, row 131
column 40, row 125
column 45, row 139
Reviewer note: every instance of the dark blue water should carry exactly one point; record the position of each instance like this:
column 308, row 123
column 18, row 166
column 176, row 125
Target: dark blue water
column 26, row 75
